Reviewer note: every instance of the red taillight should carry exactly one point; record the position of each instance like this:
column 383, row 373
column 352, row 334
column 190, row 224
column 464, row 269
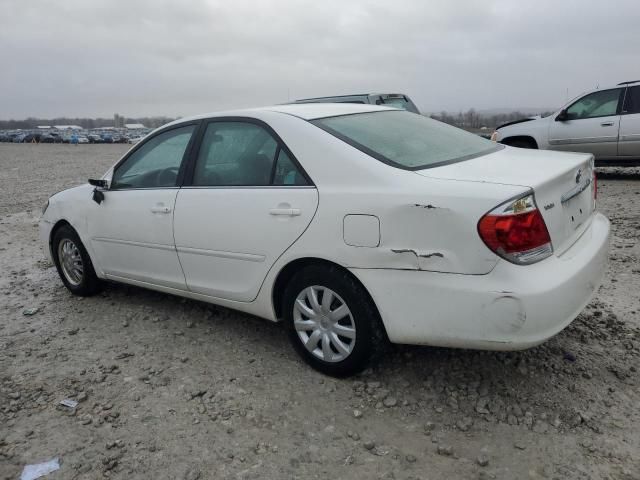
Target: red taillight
column 516, row 231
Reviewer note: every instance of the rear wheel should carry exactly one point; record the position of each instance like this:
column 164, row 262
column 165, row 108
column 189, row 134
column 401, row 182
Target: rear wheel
column 73, row 263
column 331, row 321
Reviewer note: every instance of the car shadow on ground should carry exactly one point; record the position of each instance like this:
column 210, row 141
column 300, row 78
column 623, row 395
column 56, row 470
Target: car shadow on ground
column 618, row 173
column 547, row 387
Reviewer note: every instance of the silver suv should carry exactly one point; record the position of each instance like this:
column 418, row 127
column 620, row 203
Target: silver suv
column 397, row 100
column 603, row 122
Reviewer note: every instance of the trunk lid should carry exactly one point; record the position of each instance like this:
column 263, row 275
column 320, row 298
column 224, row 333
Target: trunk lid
column 562, row 184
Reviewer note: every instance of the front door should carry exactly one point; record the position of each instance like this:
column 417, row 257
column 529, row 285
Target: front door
column 247, row 203
column 132, row 229
column 591, row 126
column 629, row 144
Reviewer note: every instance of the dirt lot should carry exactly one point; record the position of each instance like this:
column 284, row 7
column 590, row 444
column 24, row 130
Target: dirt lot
column 170, row 388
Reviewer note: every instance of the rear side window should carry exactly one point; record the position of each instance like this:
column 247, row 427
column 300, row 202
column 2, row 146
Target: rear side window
column 406, row 140
column 286, row 172
column 242, row 154
column 632, row 100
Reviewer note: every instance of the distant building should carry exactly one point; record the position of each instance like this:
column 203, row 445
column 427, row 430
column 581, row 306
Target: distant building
column 43, row 127
column 134, row 126
column 118, row 121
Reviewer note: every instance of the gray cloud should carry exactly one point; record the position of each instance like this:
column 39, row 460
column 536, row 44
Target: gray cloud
column 178, row 58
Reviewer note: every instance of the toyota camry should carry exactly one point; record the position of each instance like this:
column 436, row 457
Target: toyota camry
column 351, row 224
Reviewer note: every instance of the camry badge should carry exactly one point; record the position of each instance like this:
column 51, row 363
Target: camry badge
column 578, row 176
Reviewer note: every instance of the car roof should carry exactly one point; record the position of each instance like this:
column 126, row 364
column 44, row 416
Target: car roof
column 305, row 111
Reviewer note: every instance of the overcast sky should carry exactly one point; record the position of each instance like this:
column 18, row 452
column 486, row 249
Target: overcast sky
column 176, row 58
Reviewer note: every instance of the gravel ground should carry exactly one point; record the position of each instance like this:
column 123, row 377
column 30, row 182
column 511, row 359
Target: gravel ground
column 176, row 389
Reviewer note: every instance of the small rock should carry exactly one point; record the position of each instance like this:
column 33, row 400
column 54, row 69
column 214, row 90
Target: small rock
column 410, row 458
column 73, row 331
column 390, row 402
column 520, row 446
column 464, row 424
column 445, row 450
column 369, row 445
column 31, row 311
column 570, row 357
column 482, row 460
column 357, row 413
column 428, row 427
column 481, row 405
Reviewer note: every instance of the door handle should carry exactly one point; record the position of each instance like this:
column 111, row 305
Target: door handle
column 607, row 124
column 160, row 209
column 287, row 212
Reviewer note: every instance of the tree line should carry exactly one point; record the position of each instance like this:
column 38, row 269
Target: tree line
column 471, row 119
column 88, row 123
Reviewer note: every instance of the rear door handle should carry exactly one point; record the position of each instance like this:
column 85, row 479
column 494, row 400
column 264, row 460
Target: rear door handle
column 607, row 124
column 160, row 209
column 287, row 212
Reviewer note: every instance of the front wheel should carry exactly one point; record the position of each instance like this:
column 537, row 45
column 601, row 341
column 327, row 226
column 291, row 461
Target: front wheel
column 331, row 320
column 73, row 263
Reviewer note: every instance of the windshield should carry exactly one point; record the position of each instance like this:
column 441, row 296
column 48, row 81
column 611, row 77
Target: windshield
column 397, row 102
column 406, row 140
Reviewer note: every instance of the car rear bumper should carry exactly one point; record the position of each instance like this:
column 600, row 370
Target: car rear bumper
column 511, row 308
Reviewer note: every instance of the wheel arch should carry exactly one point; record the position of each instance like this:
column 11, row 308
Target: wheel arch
column 64, row 222
column 286, row 273
column 57, row 226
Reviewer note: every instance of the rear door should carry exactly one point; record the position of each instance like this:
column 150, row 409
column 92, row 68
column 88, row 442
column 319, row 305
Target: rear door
column 629, row 144
column 592, row 125
column 247, row 200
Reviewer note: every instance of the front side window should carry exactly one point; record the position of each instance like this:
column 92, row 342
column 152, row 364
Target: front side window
column 156, row 163
column 242, row 154
column 406, row 140
column 597, row 104
column 632, row 100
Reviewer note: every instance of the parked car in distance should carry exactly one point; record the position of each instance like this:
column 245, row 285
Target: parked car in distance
column 604, row 122
column 397, row 100
column 106, row 138
column 19, row 138
column 350, row 223
column 94, row 138
column 82, row 139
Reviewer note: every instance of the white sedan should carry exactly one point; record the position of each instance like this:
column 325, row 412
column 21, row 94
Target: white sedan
column 353, row 224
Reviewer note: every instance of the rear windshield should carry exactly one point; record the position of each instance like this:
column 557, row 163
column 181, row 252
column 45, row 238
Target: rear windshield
column 406, row 140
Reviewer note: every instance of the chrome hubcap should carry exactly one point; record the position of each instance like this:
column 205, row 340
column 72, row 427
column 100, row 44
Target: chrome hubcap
column 324, row 323
column 70, row 261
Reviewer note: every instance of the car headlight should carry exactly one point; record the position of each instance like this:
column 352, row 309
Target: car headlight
column 46, row 205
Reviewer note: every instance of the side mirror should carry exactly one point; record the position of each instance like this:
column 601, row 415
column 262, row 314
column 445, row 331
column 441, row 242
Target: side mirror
column 563, row 116
column 99, row 183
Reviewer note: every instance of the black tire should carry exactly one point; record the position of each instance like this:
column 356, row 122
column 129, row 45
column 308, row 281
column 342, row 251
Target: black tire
column 89, row 284
column 522, row 143
column 369, row 333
